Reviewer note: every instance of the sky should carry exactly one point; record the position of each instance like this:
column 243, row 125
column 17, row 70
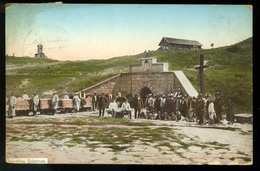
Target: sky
column 101, row 31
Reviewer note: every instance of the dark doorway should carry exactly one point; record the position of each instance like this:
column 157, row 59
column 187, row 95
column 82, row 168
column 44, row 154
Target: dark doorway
column 144, row 92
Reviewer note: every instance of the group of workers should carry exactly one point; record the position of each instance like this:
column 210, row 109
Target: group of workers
column 178, row 105
column 35, row 102
column 175, row 106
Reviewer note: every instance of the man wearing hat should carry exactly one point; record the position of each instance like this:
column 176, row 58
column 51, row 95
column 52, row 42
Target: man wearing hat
column 25, row 96
column 139, row 106
column 66, row 96
column 200, row 104
column 76, row 102
column 102, row 102
column 150, row 104
column 12, row 105
column 36, row 101
column 218, row 107
column 55, row 102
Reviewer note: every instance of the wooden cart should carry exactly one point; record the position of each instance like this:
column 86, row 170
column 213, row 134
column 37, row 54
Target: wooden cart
column 45, row 106
column 23, row 107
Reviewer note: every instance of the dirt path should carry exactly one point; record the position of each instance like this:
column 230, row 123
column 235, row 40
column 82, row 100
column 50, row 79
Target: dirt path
column 14, row 67
column 80, row 138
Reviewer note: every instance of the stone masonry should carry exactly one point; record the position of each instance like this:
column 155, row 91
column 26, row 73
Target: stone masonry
column 150, row 74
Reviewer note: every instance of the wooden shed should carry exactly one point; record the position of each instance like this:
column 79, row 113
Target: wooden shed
column 168, row 43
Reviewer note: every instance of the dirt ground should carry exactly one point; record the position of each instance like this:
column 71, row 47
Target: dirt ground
column 84, row 138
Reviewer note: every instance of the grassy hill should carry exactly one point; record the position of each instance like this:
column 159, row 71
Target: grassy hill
column 230, row 72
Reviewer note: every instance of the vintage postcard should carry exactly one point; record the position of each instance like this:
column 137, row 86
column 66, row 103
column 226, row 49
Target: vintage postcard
column 129, row 84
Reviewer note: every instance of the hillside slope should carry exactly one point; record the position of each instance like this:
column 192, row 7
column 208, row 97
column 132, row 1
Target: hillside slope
column 230, row 72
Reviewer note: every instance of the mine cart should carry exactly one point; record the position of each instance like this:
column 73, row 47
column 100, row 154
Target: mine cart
column 66, row 105
column 45, row 106
column 23, row 107
column 88, row 104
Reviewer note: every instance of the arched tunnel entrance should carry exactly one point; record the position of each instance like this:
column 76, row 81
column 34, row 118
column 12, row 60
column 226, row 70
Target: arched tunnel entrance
column 144, row 92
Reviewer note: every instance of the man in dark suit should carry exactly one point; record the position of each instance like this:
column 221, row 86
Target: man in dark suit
column 200, row 107
column 138, row 106
column 102, row 102
column 218, row 107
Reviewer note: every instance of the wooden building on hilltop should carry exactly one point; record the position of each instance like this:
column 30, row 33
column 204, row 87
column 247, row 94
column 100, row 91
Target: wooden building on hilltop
column 168, row 43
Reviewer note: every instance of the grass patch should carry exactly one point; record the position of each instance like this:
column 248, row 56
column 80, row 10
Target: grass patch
column 245, row 133
column 166, row 144
column 246, row 159
column 164, row 153
column 70, row 145
column 116, row 148
column 232, row 158
column 50, row 133
column 202, row 146
column 114, row 159
column 223, row 128
column 76, row 140
column 137, row 156
column 165, row 128
column 197, row 137
column 242, row 153
column 23, row 139
column 145, row 143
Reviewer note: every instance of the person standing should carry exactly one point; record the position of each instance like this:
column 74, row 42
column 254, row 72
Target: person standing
column 200, row 104
column 76, row 102
column 139, row 106
column 36, row 101
column 230, row 112
column 218, row 107
column 157, row 104
column 168, row 107
column 208, row 100
column 211, row 110
column 150, row 104
column 184, row 106
column 25, row 96
column 94, row 101
column 194, row 107
column 189, row 109
column 162, row 106
column 102, row 102
column 55, row 102
column 66, row 96
column 83, row 101
column 12, row 105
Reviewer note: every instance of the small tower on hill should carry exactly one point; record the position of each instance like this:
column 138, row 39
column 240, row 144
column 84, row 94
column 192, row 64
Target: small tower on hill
column 39, row 53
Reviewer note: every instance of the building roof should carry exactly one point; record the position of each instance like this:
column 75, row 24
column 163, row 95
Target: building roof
column 182, row 41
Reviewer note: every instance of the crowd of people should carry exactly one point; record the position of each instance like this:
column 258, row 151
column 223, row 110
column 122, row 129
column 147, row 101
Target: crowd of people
column 178, row 106
column 174, row 106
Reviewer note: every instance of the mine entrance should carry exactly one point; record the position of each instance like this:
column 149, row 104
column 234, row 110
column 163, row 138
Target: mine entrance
column 144, row 92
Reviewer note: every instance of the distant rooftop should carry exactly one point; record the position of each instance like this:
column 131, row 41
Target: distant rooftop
column 182, row 41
